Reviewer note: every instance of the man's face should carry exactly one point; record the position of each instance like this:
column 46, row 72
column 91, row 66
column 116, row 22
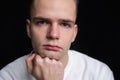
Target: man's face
column 52, row 27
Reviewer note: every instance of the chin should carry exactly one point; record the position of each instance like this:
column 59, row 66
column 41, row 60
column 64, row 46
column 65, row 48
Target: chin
column 50, row 54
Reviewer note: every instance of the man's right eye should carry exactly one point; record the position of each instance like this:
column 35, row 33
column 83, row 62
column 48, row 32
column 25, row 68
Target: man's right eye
column 41, row 22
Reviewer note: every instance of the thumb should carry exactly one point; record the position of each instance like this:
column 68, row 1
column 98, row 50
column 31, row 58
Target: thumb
column 29, row 62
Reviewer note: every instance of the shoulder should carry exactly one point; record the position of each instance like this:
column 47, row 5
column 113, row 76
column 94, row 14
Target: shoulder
column 18, row 63
column 91, row 65
column 85, row 58
column 16, row 69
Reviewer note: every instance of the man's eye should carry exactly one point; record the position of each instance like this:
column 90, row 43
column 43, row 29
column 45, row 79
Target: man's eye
column 65, row 25
column 41, row 22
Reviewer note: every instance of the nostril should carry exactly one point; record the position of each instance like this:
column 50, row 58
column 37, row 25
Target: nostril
column 53, row 31
column 53, row 34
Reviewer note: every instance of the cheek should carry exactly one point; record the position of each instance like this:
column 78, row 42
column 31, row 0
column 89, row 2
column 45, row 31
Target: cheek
column 36, row 32
column 68, row 35
column 37, row 36
column 67, row 39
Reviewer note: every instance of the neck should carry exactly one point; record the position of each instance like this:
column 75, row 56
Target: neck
column 64, row 60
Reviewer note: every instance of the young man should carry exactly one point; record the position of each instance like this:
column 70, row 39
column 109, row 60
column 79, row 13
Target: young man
column 52, row 29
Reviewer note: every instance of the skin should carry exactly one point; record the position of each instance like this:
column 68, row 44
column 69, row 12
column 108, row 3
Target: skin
column 52, row 29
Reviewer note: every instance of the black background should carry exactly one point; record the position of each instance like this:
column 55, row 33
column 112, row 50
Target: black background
column 98, row 37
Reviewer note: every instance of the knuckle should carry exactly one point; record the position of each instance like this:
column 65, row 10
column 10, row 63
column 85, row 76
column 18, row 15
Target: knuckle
column 47, row 60
column 54, row 61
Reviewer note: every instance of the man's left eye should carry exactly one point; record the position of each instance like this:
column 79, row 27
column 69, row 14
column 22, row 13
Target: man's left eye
column 65, row 24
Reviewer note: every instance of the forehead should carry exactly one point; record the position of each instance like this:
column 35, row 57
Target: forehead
column 56, row 3
column 51, row 1
column 52, row 7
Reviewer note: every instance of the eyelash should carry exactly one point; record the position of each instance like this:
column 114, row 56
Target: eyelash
column 65, row 25
column 62, row 24
column 42, row 22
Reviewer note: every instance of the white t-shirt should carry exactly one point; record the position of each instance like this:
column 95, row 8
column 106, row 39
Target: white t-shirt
column 79, row 67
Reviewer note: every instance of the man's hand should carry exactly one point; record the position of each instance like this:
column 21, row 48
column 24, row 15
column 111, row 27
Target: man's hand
column 45, row 68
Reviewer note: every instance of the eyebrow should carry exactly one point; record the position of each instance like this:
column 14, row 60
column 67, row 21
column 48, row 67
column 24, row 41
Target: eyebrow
column 47, row 19
column 67, row 20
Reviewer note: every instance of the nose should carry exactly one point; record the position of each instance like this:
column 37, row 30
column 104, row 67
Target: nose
column 53, row 32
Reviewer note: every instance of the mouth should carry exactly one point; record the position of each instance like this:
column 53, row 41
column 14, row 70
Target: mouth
column 52, row 47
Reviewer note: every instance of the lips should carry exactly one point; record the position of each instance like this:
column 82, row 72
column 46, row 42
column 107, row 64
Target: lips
column 52, row 47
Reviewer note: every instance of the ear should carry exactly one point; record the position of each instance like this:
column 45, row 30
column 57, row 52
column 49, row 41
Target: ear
column 75, row 32
column 28, row 26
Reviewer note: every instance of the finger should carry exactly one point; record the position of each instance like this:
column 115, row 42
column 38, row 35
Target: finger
column 46, row 64
column 46, row 60
column 37, row 60
column 29, row 62
column 37, row 63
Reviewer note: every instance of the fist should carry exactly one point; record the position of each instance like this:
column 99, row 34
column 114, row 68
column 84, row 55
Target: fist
column 45, row 68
